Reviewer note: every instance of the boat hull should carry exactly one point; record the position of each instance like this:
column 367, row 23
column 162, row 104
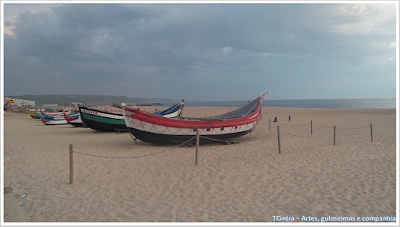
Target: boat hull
column 221, row 128
column 158, row 138
column 52, row 116
column 74, row 119
column 33, row 115
column 54, row 122
column 112, row 122
column 78, row 123
column 102, row 121
column 104, row 126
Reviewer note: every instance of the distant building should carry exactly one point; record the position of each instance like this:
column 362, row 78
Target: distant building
column 21, row 102
column 76, row 103
column 24, row 103
column 50, row 105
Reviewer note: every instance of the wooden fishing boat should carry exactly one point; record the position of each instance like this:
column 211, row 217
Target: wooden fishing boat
column 32, row 114
column 151, row 128
column 74, row 119
column 54, row 121
column 53, row 116
column 39, row 114
column 104, row 121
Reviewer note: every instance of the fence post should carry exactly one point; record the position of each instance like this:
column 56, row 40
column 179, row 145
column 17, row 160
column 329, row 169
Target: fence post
column 311, row 127
column 197, row 145
column 270, row 124
column 71, row 165
column 371, row 134
column 334, row 135
column 279, row 142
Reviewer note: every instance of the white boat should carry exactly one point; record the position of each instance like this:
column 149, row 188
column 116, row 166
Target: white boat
column 152, row 128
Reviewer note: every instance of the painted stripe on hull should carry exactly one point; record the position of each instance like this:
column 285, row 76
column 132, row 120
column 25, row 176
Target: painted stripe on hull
column 105, row 127
column 100, row 121
column 104, row 120
column 160, row 129
column 153, row 133
column 177, row 139
column 38, row 116
column 32, row 114
column 54, row 122
column 100, row 113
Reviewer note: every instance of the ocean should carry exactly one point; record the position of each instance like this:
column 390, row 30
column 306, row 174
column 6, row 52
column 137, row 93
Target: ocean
column 306, row 103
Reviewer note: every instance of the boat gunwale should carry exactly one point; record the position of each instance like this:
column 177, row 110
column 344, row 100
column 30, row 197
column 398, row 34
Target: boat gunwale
column 192, row 122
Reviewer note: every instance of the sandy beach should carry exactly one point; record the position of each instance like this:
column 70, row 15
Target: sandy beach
column 243, row 182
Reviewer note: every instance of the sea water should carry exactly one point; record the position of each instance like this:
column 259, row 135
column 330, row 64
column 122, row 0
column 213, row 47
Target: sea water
column 305, row 103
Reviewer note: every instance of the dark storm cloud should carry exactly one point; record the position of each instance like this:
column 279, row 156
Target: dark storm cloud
column 147, row 49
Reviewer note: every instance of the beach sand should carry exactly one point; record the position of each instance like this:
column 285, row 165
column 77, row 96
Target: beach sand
column 244, row 182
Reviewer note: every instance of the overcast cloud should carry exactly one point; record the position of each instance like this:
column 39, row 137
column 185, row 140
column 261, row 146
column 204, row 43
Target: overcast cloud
column 201, row 51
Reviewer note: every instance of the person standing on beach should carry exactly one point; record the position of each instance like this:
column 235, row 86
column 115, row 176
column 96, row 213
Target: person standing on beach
column 290, row 119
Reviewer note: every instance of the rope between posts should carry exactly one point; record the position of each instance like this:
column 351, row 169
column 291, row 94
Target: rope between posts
column 294, row 125
column 141, row 156
column 294, row 135
column 217, row 140
column 309, row 135
column 352, row 128
column 321, row 134
column 323, row 125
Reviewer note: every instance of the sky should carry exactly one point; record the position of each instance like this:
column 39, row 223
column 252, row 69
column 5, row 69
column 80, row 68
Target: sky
column 203, row 52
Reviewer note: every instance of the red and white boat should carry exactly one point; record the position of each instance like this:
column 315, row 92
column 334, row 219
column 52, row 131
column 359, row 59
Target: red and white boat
column 74, row 119
column 54, row 121
column 151, row 128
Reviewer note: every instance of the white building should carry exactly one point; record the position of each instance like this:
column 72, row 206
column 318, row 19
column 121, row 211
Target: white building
column 23, row 103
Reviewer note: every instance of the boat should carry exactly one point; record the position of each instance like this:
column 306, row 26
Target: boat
column 32, row 114
column 104, row 121
column 74, row 119
column 54, row 121
column 39, row 114
column 53, row 116
column 151, row 128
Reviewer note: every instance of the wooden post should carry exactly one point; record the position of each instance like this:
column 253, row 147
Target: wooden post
column 334, row 135
column 311, row 127
column 270, row 124
column 197, row 145
column 371, row 134
column 279, row 142
column 71, row 165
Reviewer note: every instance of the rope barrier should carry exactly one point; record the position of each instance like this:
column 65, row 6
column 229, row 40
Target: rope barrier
column 231, row 141
column 294, row 125
column 323, row 134
column 337, row 129
column 141, row 156
column 307, row 136
column 323, row 125
column 344, row 129
column 295, row 135
column 341, row 128
column 217, row 140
